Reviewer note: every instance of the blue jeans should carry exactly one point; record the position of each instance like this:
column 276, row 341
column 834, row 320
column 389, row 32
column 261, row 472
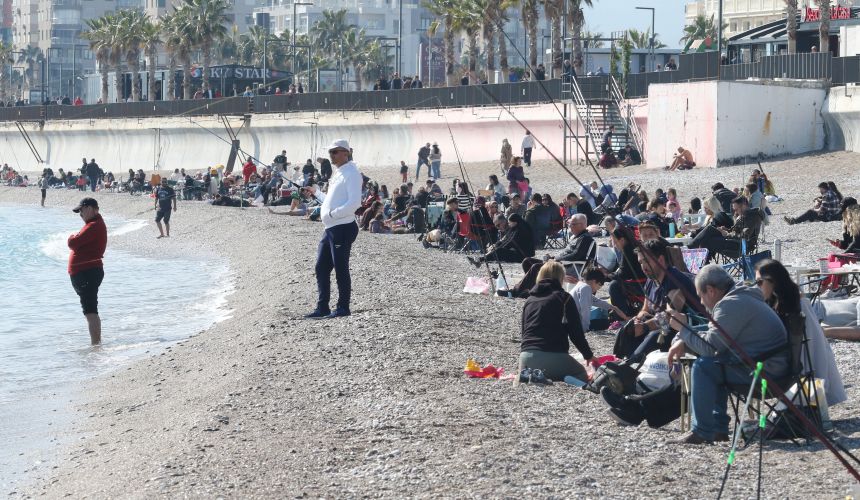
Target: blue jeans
column 94, row 182
column 710, row 394
column 434, row 169
column 421, row 161
column 333, row 253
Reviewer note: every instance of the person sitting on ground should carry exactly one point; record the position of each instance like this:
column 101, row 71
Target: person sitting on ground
column 631, row 156
column 825, row 208
column 664, row 284
column 607, row 159
column 300, row 202
column 549, row 319
column 583, row 294
column 850, row 242
column 673, row 206
column 516, row 245
column 447, row 228
column 482, row 223
column 369, row 215
column 628, row 279
column 378, row 226
column 746, row 227
column 415, row 220
column 516, row 174
column 465, row 199
column 496, row 187
column 783, row 295
column 741, row 313
column 683, row 160
column 516, row 207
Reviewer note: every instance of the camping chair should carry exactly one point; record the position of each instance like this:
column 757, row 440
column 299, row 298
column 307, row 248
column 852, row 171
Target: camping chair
column 556, row 236
column 577, row 267
column 694, row 258
column 796, row 346
column 467, row 241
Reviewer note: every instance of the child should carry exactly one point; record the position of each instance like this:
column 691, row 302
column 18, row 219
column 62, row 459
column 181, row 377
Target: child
column 404, row 171
column 583, row 295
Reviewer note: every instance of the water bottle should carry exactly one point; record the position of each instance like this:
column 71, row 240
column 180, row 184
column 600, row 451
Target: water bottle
column 671, row 229
column 777, row 250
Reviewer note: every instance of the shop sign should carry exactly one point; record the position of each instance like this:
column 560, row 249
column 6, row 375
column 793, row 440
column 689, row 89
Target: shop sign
column 837, row 13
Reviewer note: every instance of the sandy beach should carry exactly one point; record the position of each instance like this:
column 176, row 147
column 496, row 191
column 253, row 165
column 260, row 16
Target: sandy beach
column 268, row 405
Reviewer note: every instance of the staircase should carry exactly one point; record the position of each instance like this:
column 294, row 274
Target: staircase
column 596, row 116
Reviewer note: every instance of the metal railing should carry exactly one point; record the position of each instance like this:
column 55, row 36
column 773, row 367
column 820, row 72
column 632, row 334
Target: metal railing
column 625, row 110
column 581, row 106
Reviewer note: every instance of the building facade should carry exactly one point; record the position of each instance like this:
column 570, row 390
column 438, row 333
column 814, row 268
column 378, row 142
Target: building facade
column 744, row 15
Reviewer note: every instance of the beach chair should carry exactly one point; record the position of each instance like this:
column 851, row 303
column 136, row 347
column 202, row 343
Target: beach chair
column 694, row 258
column 556, row 235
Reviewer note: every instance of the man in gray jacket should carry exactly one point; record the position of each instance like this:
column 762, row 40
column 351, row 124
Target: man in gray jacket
column 744, row 316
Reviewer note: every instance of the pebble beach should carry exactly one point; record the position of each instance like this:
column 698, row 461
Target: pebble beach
column 268, row 405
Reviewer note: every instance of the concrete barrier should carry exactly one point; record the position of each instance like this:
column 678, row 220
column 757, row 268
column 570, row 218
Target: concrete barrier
column 380, row 139
column 727, row 122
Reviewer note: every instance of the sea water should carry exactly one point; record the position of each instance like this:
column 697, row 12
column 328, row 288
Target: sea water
column 145, row 304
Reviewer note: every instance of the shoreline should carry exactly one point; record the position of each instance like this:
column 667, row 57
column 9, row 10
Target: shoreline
column 267, row 405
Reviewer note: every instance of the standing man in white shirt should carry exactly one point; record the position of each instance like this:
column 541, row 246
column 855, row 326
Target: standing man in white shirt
column 338, row 216
column 526, row 148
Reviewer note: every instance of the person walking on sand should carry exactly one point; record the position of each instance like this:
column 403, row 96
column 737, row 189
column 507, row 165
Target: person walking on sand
column 337, row 214
column 45, row 182
column 404, row 172
column 423, row 159
column 85, row 263
column 164, row 195
column 526, row 148
column 506, row 156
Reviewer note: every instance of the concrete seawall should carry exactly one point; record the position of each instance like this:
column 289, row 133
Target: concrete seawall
column 380, row 140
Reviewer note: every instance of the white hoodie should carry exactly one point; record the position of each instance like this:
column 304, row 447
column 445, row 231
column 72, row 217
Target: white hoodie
column 343, row 197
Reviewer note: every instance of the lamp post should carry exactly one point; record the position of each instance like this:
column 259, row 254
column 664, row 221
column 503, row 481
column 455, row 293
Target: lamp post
column 720, row 28
column 293, row 60
column 651, row 41
column 400, row 39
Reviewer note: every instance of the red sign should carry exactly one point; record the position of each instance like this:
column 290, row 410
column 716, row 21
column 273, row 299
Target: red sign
column 809, row 15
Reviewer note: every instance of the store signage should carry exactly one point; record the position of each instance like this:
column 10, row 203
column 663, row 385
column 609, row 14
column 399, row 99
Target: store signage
column 810, row 15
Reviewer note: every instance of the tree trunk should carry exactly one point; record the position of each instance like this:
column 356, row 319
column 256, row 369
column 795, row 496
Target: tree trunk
column 791, row 26
column 151, row 63
column 134, row 65
column 556, row 42
column 207, row 60
column 118, row 81
column 532, row 27
column 171, row 83
column 357, row 69
column 503, row 57
column 104, row 70
column 186, row 77
column 490, row 48
column 578, row 21
column 449, row 52
column 824, row 26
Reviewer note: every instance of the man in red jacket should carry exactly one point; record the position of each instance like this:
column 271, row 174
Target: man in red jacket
column 85, row 263
column 247, row 169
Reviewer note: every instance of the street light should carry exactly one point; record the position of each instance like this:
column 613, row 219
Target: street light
column 400, row 39
column 293, row 60
column 651, row 41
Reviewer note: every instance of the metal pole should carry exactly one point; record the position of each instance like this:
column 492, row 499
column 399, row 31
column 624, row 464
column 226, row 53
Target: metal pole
column 653, row 55
column 719, row 28
column 265, row 57
column 293, row 58
column 400, row 41
column 75, row 72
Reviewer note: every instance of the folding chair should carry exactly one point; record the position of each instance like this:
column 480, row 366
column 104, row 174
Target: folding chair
column 578, row 267
column 467, row 241
column 797, row 344
column 556, row 236
column 694, row 258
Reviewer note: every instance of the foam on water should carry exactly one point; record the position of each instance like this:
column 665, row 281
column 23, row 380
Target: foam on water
column 144, row 303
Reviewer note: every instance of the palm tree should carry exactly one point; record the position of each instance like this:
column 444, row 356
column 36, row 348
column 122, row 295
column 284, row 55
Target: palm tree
column 30, row 56
column 642, row 39
column 553, row 10
column 702, row 28
column 5, row 58
column 179, row 47
column 130, row 28
column 468, row 19
column 592, row 40
column 150, row 37
column 577, row 21
column 791, row 24
column 99, row 37
column 444, row 11
column 172, row 44
column 355, row 47
column 329, row 31
column 227, row 49
column 824, row 26
column 206, row 25
column 498, row 10
column 529, row 12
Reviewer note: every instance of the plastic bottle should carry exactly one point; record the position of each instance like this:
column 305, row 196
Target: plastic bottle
column 671, row 229
column 777, row 250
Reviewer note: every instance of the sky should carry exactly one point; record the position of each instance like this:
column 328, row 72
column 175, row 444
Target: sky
column 618, row 15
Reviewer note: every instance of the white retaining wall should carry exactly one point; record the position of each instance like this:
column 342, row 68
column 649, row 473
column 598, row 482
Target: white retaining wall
column 380, row 140
column 724, row 122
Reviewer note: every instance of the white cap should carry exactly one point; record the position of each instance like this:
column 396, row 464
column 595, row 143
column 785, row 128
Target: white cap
column 339, row 144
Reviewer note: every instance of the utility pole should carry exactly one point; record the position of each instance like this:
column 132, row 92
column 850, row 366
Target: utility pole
column 400, row 40
column 293, row 59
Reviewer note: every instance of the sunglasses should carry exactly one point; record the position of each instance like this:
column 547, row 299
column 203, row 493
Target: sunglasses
column 759, row 281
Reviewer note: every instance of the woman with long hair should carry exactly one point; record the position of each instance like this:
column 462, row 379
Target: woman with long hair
column 435, row 161
column 832, row 187
column 850, row 242
column 550, row 320
column 627, row 280
column 783, row 295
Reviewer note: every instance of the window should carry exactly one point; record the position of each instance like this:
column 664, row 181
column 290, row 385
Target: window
column 746, row 25
column 733, row 27
column 426, row 22
column 161, row 4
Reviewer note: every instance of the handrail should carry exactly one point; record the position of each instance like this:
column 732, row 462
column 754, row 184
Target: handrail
column 591, row 129
column 626, row 112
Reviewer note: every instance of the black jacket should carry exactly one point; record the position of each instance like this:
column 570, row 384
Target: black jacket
column 584, row 207
column 581, row 248
column 519, row 239
column 542, row 326
column 628, row 268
